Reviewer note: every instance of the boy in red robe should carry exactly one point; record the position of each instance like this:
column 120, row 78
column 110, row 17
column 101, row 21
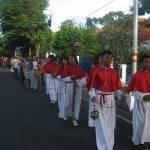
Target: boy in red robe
column 46, row 72
column 53, row 86
column 140, row 87
column 47, row 64
column 63, row 75
column 74, row 85
column 104, row 83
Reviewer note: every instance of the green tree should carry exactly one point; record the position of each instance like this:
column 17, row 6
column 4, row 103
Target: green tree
column 91, row 23
column 67, row 37
column 116, row 33
column 23, row 23
column 90, row 42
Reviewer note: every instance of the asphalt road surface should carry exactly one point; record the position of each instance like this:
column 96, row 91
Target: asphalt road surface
column 28, row 122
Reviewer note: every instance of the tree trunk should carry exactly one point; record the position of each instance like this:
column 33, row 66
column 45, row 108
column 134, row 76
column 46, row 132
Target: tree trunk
column 38, row 49
column 30, row 51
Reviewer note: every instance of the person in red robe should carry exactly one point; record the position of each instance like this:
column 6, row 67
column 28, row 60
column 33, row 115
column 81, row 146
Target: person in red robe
column 46, row 72
column 47, row 64
column 64, row 68
column 75, row 70
column 53, row 70
column 51, row 67
column 140, row 87
column 74, row 84
column 64, row 74
column 104, row 83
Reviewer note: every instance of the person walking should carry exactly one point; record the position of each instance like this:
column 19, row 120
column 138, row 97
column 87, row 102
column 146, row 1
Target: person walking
column 140, row 88
column 104, row 83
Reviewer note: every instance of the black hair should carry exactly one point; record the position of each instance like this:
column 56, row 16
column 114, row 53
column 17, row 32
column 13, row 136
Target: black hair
column 98, row 55
column 142, row 57
column 66, row 58
column 51, row 56
column 106, row 52
column 74, row 56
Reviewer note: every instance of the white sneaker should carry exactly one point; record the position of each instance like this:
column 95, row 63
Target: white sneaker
column 75, row 123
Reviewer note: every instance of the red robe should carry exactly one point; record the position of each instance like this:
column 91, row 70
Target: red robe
column 64, row 71
column 89, row 77
column 46, row 67
column 76, row 70
column 140, row 82
column 51, row 67
column 104, row 79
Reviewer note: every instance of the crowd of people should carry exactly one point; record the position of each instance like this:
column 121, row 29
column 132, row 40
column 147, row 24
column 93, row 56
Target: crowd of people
column 63, row 80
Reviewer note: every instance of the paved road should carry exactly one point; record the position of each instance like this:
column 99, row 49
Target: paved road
column 28, row 122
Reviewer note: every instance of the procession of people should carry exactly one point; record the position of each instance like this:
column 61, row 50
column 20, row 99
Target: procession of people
column 63, row 80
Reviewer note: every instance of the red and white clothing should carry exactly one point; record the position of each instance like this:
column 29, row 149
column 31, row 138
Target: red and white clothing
column 47, row 75
column 16, row 63
column 103, row 83
column 72, row 105
column 140, row 86
column 64, row 74
column 52, row 83
column 33, row 78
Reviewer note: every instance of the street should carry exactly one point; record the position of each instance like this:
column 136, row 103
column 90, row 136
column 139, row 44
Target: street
column 28, row 122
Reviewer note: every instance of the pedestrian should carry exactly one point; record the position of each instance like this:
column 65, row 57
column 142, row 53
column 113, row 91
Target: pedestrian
column 64, row 75
column 4, row 61
column 41, row 69
column 33, row 77
column 46, row 67
column 104, row 83
column 140, row 87
column 16, row 66
column 54, row 82
column 27, row 65
column 51, row 71
column 22, row 70
column 74, row 86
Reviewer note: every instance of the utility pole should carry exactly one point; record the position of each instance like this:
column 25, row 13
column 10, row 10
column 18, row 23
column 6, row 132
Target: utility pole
column 135, row 38
column 49, row 24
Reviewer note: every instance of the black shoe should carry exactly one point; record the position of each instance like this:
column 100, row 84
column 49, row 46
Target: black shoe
column 137, row 147
column 143, row 147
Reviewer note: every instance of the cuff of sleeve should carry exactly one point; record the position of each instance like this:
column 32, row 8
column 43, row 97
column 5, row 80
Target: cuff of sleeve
column 92, row 92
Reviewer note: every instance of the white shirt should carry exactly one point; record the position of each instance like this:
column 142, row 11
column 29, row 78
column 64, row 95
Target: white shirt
column 35, row 64
column 16, row 63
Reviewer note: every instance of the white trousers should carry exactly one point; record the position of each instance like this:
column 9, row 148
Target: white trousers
column 47, row 80
column 34, row 80
column 71, row 107
column 141, row 119
column 105, row 124
column 53, row 89
column 62, row 100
